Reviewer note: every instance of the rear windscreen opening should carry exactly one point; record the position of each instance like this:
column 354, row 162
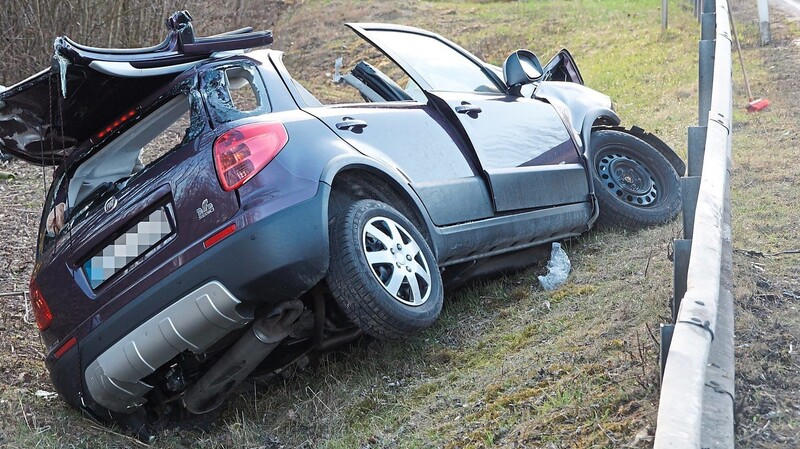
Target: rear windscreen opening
column 108, row 171
column 138, row 147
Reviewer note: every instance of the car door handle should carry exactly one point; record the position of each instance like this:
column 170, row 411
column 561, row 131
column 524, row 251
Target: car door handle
column 351, row 124
column 468, row 109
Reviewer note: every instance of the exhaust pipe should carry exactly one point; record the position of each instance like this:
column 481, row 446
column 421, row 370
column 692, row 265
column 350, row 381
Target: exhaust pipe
column 266, row 333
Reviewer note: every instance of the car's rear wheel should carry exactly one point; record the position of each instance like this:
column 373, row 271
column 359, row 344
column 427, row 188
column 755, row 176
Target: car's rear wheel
column 635, row 185
column 382, row 273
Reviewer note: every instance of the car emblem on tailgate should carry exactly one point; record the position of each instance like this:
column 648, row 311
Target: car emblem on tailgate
column 110, row 205
column 205, row 209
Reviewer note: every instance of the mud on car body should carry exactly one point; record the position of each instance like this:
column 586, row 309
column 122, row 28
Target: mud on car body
column 209, row 219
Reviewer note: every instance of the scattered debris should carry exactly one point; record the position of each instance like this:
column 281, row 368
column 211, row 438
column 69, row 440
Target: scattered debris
column 47, row 395
column 558, row 268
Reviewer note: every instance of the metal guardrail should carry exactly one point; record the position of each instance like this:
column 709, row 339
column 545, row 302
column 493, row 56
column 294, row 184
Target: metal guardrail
column 697, row 388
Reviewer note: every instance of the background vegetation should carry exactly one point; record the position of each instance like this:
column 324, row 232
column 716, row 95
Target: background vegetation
column 28, row 27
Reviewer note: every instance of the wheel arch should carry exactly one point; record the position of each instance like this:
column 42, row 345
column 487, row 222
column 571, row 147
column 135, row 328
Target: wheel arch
column 356, row 178
column 595, row 119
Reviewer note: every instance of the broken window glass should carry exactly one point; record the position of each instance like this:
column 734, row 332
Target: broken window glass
column 235, row 92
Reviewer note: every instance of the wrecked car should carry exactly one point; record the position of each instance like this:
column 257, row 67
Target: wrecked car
column 209, row 219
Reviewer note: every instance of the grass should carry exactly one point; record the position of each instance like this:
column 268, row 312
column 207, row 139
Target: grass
column 765, row 201
column 508, row 364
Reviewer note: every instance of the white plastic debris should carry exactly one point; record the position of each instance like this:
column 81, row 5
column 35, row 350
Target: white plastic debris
column 46, row 394
column 557, row 268
column 337, row 66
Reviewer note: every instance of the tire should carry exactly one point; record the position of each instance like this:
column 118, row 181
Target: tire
column 376, row 257
column 635, row 185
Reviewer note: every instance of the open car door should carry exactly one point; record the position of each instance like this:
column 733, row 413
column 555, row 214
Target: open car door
column 521, row 144
column 562, row 67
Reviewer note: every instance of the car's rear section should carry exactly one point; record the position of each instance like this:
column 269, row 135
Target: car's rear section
column 172, row 230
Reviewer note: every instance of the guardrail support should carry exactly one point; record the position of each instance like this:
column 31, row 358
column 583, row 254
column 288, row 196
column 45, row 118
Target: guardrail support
column 707, row 29
column 680, row 269
column 690, row 188
column 697, row 149
column 707, row 49
column 663, row 352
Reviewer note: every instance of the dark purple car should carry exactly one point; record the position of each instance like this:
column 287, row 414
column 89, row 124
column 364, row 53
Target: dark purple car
column 209, row 219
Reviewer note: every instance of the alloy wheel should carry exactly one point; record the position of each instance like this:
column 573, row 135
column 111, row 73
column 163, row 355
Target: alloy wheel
column 396, row 261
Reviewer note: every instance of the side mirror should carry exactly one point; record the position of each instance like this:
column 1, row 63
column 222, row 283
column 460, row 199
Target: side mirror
column 520, row 68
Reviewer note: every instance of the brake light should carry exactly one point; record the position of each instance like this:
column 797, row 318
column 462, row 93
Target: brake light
column 41, row 311
column 243, row 151
column 116, row 124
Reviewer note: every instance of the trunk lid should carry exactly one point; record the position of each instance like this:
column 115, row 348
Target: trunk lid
column 44, row 118
column 41, row 125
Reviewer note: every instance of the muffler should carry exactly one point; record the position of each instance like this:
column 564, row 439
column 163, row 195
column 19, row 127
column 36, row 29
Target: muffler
column 265, row 334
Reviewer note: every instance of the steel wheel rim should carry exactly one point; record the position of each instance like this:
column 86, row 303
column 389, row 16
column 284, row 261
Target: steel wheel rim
column 396, row 261
column 628, row 179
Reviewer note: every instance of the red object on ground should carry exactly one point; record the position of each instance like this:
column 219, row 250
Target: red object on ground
column 754, row 105
column 757, row 105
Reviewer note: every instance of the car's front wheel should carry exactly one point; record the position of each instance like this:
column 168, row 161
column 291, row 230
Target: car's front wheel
column 635, row 185
column 382, row 273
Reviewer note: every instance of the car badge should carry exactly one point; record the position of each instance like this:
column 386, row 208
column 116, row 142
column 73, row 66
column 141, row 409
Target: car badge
column 205, row 209
column 110, row 205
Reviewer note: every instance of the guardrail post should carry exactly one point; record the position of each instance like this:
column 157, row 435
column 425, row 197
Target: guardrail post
column 682, row 250
column 707, row 49
column 663, row 351
column 696, row 147
column 708, row 26
column 690, row 189
column 763, row 22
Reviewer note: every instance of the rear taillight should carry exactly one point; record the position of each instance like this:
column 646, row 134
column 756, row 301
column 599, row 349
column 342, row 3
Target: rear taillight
column 243, row 151
column 41, row 311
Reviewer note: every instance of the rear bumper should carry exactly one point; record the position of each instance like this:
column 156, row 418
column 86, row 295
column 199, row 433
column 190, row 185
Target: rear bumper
column 273, row 256
column 193, row 323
